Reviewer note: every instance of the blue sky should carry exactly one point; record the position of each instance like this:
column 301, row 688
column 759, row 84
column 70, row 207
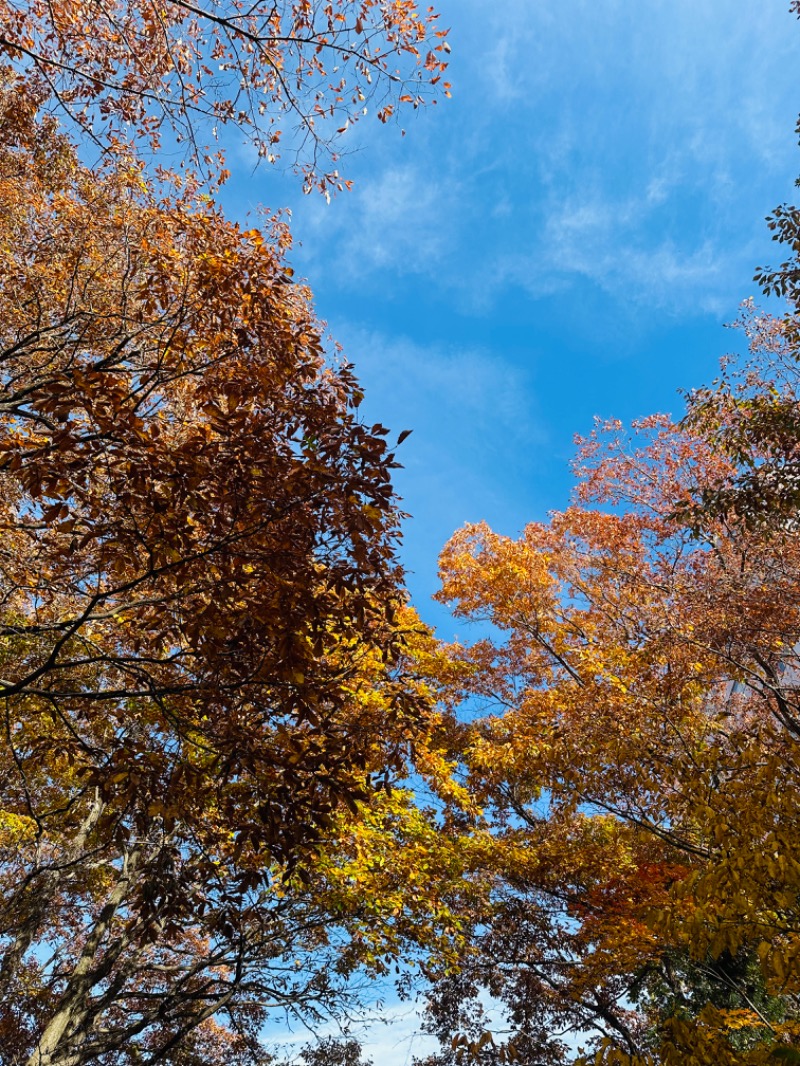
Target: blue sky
column 565, row 238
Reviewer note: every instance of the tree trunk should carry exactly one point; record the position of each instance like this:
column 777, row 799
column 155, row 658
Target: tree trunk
column 73, row 1003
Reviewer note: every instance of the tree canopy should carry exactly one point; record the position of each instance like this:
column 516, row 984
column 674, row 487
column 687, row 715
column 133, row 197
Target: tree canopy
column 201, row 629
column 636, row 754
column 126, row 72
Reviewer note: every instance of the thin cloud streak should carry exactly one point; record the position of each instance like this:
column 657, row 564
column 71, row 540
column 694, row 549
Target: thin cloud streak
column 626, row 126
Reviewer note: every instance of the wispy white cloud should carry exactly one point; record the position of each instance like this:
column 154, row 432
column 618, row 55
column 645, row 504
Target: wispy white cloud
column 397, row 1038
column 477, row 393
column 390, row 1035
column 396, row 223
column 635, row 146
column 602, row 240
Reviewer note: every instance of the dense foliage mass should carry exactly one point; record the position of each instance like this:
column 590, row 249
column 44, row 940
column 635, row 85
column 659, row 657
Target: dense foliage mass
column 199, row 632
column 638, row 764
column 633, row 738
column 202, row 619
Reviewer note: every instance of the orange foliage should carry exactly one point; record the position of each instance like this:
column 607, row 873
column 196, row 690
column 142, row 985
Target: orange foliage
column 127, row 70
column 639, row 769
column 199, row 629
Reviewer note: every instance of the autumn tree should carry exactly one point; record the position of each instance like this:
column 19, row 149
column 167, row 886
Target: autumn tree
column 635, row 750
column 129, row 72
column 201, row 629
column 202, row 622
column 633, row 742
